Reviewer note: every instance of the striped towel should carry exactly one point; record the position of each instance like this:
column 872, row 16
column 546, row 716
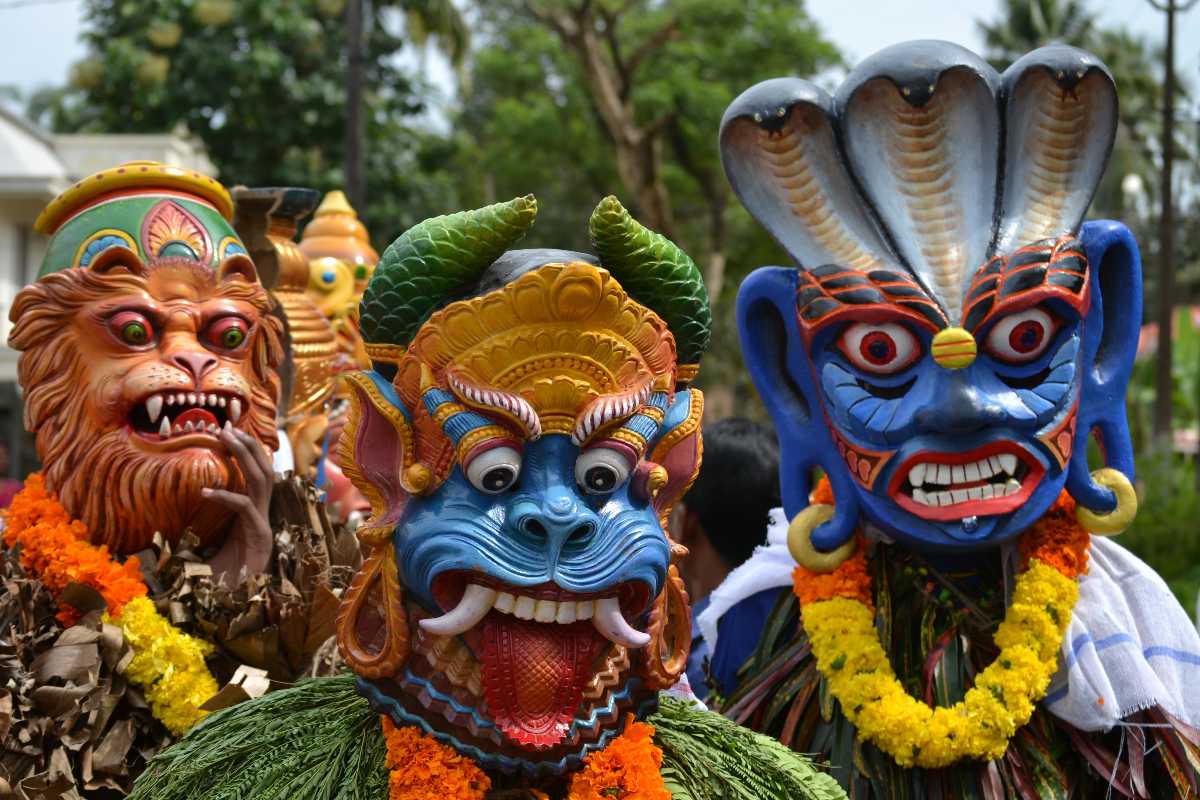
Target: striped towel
column 1130, row 646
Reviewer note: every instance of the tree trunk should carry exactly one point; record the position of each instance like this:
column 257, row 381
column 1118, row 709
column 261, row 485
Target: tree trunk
column 714, row 271
column 355, row 157
column 1166, row 256
column 638, row 150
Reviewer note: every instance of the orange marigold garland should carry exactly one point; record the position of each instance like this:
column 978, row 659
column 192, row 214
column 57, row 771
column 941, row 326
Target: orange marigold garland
column 630, row 768
column 55, row 549
column 421, row 768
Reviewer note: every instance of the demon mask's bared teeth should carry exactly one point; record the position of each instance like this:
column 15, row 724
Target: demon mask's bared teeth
column 476, row 602
column 610, row 622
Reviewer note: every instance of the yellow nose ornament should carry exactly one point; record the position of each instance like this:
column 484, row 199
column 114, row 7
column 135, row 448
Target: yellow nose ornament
column 953, row 348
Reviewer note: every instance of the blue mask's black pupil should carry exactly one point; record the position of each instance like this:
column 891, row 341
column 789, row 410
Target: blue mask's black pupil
column 497, row 478
column 600, row 479
column 878, row 349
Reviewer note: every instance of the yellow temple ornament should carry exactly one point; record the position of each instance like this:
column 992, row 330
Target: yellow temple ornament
column 336, row 231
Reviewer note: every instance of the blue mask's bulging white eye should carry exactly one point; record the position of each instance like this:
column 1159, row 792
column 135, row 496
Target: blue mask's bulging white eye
column 494, row 470
column 1021, row 337
column 600, row 470
column 881, row 349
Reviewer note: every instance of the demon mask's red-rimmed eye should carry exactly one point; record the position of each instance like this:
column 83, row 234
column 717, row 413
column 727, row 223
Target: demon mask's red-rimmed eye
column 228, row 333
column 1021, row 337
column 132, row 328
column 882, row 349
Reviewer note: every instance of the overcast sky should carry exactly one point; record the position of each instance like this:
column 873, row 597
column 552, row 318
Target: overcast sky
column 41, row 37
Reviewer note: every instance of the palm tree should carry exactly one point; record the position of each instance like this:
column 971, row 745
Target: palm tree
column 1025, row 25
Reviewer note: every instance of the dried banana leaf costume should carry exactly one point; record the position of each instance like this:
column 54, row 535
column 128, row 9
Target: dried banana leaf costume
column 523, row 434
column 949, row 338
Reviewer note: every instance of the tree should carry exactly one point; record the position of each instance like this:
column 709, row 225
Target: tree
column 575, row 100
column 260, row 82
column 653, row 79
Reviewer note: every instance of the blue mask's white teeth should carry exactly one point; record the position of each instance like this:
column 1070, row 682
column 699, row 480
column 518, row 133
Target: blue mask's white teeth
column 934, row 484
column 477, row 601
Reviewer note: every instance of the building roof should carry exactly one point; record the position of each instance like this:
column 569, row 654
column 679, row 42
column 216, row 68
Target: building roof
column 28, row 161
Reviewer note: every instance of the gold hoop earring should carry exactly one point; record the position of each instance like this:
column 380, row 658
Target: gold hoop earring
column 800, row 540
column 1119, row 518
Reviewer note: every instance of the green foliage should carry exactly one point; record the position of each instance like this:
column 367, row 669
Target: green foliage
column 262, row 84
column 1165, row 534
column 316, row 741
column 1185, row 383
column 707, row 757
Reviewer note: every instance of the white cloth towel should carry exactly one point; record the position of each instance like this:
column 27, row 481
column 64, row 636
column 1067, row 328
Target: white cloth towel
column 769, row 566
column 1130, row 645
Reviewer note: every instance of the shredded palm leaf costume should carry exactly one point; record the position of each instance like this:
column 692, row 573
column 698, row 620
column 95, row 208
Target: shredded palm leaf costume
column 545, row 366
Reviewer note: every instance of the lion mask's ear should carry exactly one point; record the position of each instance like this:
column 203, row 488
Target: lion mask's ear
column 237, row 267
column 117, row 259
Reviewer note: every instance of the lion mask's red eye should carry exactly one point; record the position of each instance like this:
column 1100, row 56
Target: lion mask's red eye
column 228, row 333
column 132, row 328
column 1021, row 337
column 881, row 349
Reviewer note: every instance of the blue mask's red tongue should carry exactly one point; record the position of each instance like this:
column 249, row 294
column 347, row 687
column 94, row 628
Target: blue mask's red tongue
column 534, row 674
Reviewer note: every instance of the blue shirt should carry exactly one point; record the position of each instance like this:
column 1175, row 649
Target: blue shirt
column 700, row 651
column 739, row 631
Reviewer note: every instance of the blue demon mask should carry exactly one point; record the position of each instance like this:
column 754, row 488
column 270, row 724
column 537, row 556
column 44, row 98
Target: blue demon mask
column 522, row 445
column 953, row 333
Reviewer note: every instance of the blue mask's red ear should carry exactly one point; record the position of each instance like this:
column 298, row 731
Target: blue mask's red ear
column 782, row 371
column 1110, row 337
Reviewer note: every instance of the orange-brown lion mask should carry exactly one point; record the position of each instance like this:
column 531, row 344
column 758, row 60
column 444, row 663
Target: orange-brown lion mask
column 100, row 344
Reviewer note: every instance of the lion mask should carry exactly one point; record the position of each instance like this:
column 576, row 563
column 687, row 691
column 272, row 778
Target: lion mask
column 130, row 369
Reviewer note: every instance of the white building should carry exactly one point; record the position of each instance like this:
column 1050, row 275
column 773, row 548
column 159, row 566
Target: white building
column 34, row 167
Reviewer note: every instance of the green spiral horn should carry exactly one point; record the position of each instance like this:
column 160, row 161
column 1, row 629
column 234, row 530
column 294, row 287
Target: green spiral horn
column 431, row 260
column 656, row 273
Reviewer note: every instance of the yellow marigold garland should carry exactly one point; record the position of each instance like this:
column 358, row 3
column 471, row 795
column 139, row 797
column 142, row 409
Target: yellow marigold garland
column 166, row 662
column 837, row 615
column 421, row 768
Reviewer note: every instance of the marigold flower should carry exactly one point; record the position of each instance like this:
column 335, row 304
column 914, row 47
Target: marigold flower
column 629, row 768
column 422, row 768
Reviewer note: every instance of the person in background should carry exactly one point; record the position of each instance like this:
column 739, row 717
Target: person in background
column 721, row 520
